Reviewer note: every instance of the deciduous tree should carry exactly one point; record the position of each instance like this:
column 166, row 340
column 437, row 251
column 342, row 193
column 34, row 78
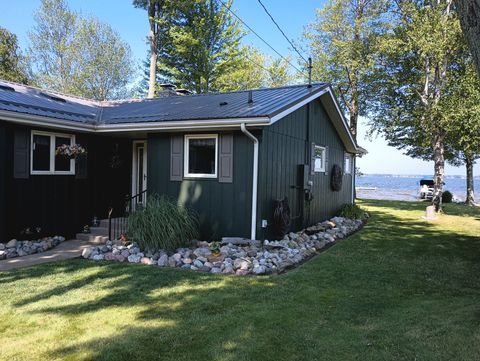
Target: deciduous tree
column 12, row 61
column 469, row 11
column 78, row 55
column 411, row 79
column 343, row 42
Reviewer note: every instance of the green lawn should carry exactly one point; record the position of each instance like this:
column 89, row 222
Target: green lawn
column 401, row 289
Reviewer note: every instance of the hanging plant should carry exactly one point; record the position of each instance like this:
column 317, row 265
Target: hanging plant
column 70, row 151
column 337, row 178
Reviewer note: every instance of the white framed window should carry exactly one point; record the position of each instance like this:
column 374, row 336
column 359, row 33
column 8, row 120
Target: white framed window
column 43, row 160
column 320, row 158
column 201, row 156
column 348, row 164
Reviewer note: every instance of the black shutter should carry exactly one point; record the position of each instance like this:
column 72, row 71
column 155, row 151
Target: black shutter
column 176, row 158
column 81, row 167
column 326, row 160
column 225, row 160
column 312, row 158
column 21, row 154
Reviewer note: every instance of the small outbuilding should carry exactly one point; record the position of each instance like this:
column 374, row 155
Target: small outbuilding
column 250, row 162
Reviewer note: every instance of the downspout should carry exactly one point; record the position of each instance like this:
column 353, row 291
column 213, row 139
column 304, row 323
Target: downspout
column 253, row 230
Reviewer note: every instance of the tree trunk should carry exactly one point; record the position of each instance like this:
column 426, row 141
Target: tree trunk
column 439, row 166
column 152, row 10
column 470, row 199
column 469, row 11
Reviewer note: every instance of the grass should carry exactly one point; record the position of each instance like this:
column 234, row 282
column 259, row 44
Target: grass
column 401, row 289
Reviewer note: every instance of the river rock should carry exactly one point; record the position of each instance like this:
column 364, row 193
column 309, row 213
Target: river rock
column 11, row 244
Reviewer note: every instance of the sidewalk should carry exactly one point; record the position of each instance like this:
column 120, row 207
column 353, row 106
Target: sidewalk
column 65, row 250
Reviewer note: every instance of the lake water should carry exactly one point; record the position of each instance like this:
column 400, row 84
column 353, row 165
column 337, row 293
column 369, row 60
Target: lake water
column 405, row 187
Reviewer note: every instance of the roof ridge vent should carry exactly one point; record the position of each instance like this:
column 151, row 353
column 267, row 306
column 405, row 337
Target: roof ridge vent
column 7, row 88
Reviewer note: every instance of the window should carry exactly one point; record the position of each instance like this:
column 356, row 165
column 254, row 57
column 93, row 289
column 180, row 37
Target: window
column 319, row 156
column 43, row 157
column 201, row 156
column 348, row 164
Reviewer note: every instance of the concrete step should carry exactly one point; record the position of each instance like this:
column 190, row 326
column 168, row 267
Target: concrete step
column 92, row 238
column 100, row 231
column 104, row 222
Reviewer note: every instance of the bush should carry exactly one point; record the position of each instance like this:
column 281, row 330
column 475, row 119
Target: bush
column 352, row 211
column 447, row 197
column 162, row 224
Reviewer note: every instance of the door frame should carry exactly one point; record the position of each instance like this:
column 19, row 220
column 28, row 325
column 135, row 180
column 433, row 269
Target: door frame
column 135, row 143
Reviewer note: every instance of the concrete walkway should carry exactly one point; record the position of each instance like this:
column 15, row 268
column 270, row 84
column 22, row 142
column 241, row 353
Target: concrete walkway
column 65, row 250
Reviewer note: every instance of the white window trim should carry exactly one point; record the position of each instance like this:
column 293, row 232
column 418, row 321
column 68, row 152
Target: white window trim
column 186, row 174
column 349, row 169
column 52, row 170
column 324, row 159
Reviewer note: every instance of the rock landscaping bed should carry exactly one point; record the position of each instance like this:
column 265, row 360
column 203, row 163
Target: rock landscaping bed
column 16, row 248
column 237, row 256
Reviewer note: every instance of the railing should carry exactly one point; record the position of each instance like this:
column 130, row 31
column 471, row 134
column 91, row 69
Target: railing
column 118, row 221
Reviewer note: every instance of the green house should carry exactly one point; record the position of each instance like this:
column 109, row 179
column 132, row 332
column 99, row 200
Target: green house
column 231, row 156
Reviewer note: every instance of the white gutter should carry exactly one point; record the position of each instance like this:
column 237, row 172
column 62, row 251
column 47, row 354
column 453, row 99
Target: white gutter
column 253, row 230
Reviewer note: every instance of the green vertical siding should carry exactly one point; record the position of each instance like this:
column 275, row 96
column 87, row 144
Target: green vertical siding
column 224, row 208
column 3, row 178
column 284, row 146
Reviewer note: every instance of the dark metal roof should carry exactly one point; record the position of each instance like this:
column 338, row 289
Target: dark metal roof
column 29, row 100
column 266, row 103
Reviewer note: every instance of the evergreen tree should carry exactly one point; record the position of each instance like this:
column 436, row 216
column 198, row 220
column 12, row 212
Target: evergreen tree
column 201, row 47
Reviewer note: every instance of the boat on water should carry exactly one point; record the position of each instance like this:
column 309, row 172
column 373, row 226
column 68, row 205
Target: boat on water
column 426, row 187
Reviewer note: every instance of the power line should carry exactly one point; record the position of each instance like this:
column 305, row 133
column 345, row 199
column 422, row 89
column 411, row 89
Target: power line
column 283, row 33
column 258, row 36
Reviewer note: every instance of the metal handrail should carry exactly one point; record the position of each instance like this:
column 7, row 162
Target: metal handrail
column 118, row 226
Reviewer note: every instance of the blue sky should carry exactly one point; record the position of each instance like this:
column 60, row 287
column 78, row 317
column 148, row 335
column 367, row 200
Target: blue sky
column 132, row 25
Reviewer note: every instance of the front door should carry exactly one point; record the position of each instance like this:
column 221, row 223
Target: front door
column 139, row 172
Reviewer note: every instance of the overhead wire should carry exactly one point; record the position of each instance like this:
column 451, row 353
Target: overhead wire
column 260, row 37
column 281, row 31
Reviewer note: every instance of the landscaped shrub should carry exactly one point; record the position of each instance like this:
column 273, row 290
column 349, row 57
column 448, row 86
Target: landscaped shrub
column 162, row 224
column 447, row 197
column 352, row 211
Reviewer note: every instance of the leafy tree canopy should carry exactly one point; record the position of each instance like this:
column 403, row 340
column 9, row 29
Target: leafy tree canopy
column 12, row 61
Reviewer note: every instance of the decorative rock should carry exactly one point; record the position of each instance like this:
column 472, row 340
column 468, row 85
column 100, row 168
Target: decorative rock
column 163, row 260
column 3, row 254
column 109, row 256
column 133, row 258
column 197, row 263
column 146, row 260
column 202, row 252
column 245, row 258
column 259, row 270
column 87, row 252
column 11, row 244
column 2, row 246
column 98, row 257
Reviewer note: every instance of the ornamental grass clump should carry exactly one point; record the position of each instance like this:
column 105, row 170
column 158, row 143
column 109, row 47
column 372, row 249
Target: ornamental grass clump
column 353, row 211
column 162, row 224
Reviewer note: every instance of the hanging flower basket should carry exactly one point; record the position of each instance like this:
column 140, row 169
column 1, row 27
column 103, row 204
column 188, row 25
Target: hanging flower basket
column 70, row 151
